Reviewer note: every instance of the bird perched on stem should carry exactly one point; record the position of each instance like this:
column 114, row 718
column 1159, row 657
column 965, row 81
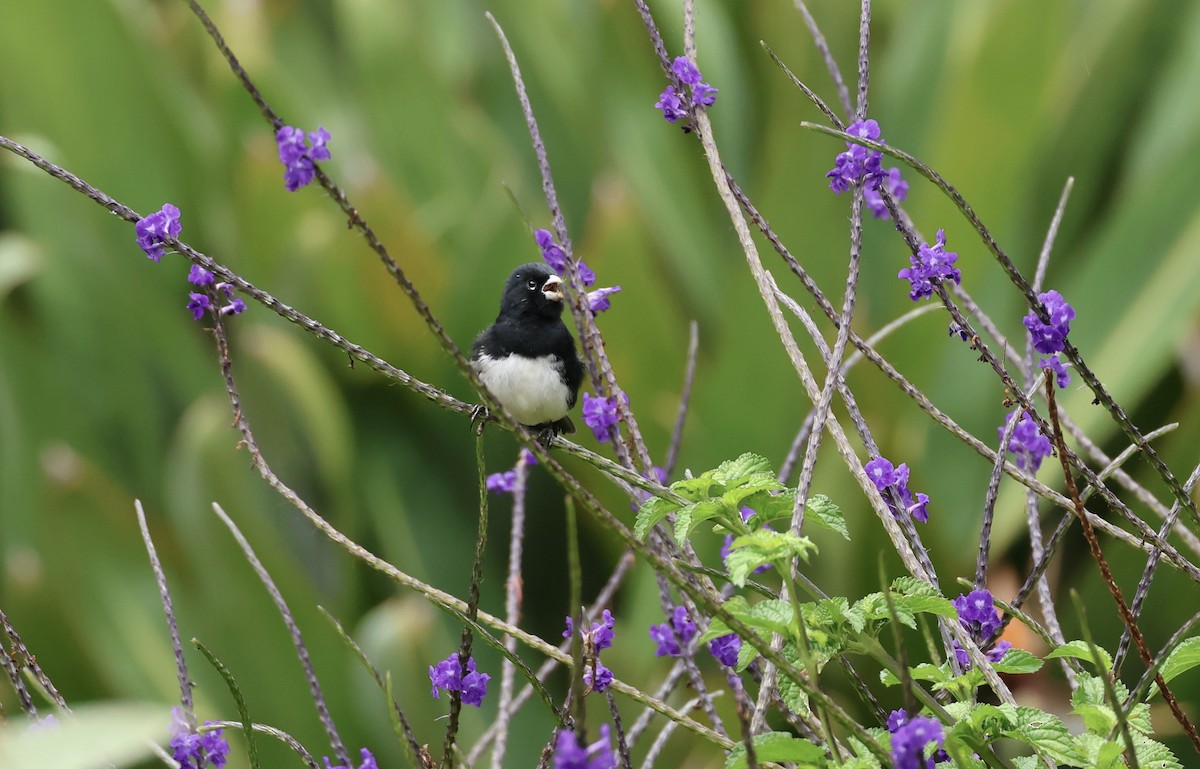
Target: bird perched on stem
column 527, row 358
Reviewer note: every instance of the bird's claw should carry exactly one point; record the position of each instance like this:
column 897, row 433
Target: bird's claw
column 480, row 416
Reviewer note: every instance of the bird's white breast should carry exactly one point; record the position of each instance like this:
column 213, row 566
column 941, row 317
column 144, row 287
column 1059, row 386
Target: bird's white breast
column 533, row 389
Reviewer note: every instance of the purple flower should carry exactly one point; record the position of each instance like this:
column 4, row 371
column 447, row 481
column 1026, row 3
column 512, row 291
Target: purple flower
column 1061, row 376
column 198, row 304
column 598, row 300
column 895, row 185
column 885, row 476
column 857, row 164
column 601, row 634
column 1048, row 338
column 595, row 675
column 1027, row 442
column 368, row 761
column 672, row 637
column 689, row 74
column 199, row 276
column 686, row 71
column 704, row 94
column 670, row 104
column 504, row 483
column 585, row 274
column 236, row 307
column 447, row 675
column 930, row 263
column 153, row 230
column 195, row 750
column 960, row 330
column 601, row 415
column 978, row 614
column 725, row 648
column 909, row 738
column 570, row 754
column 298, row 154
column 881, row 472
column 552, row 254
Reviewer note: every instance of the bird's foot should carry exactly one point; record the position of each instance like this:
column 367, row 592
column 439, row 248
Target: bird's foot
column 480, row 416
column 546, row 436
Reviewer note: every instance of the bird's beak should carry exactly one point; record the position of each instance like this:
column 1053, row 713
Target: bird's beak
column 553, row 288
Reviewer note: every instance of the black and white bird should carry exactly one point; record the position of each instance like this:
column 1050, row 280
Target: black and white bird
column 527, row 358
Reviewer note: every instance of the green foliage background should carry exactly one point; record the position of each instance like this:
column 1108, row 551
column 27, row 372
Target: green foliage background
column 109, row 392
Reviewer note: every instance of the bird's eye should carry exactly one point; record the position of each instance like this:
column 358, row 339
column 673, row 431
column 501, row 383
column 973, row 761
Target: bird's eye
column 532, row 285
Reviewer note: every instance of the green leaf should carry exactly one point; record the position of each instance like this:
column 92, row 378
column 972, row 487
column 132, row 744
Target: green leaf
column 736, row 605
column 1018, row 661
column 650, row 513
column 695, row 489
column 112, row 733
column 758, row 487
column 1182, row 658
column 927, row 604
column 1154, row 755
column 779, row 746
column 1047, row 733
column 737, row 471
column 793, row 695
column 874, row 607
column 746, row 654
column 1082, row 651
column 750, row 551
column 821, row 510
column 863, row 758
column 926, row 671
column 912, row 586
column 773, row 615
column 840, row 613
column 696, row 513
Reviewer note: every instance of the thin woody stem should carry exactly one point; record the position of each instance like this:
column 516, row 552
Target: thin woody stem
column 1089, row 534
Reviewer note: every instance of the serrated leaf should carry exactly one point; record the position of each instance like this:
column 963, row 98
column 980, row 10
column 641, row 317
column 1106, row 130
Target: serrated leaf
column 1047, row 733
column 1154, row 755
column 840, row 613
column 1081, row 651
column 716, row 629
column 874, row 607
column 1099, row 719
column 735, row 471
column 696, row 489
column 927, row 604
column 764, row 546
column 691, row 516
column 1139, row 718
column 793, row 696
column 773, row 615
column 756, row 492
column 926, row 671
column 863, row 758
column 821, row 510
column 779, row 746
column 1018, row 661
column 1183, row 658
column 913, row 586
column 650, row 513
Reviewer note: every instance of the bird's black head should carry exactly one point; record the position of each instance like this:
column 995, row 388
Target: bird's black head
column 532, row 289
